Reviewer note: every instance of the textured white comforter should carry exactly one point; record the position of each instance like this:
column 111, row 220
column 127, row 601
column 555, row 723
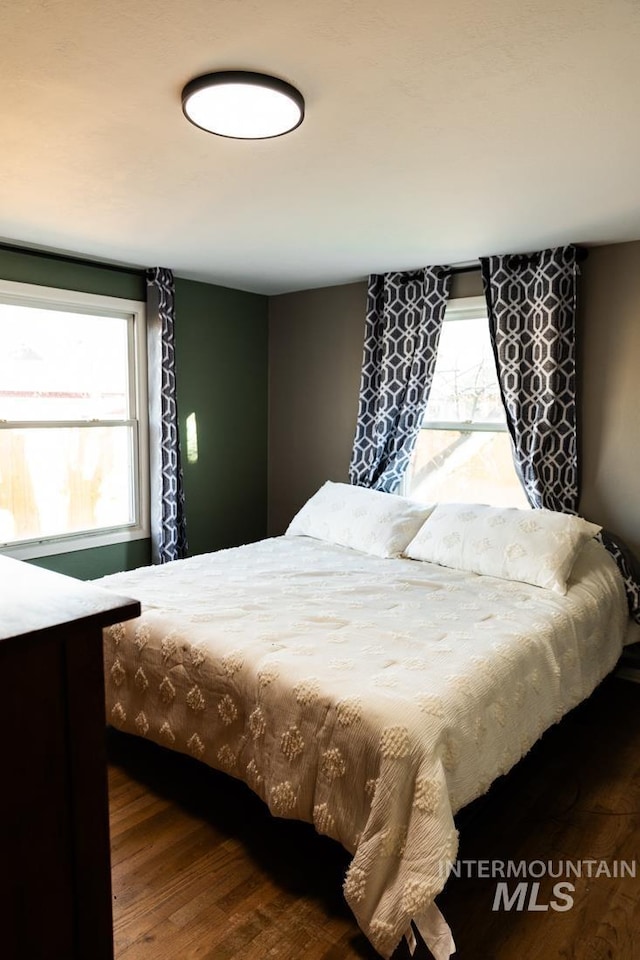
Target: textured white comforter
column 371, row 697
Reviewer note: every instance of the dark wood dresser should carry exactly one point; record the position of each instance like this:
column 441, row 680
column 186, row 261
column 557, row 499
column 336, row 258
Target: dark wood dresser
column 55, row 881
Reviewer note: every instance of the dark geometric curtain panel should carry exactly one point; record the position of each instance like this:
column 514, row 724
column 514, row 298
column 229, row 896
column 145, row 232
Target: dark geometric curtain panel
column 629, row 567
column 168, row 528
column 531, row 302
column 402, row 332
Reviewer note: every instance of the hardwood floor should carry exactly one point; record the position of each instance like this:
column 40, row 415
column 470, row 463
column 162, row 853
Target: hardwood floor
column 201, row 871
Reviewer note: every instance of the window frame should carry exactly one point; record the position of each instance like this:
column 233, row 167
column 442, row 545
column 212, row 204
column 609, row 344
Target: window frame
column 460, row 308
column 466, row 308
column 134, row 311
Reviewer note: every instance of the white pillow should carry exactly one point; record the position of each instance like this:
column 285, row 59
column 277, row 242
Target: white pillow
column 363, row 519
column 533, row 546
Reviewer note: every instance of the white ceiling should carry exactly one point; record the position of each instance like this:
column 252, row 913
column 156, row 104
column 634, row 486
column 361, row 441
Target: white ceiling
column 436, row 131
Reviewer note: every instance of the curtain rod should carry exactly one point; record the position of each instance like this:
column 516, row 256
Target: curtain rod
column 465, row 268
column 67, row 258
column 582, row 254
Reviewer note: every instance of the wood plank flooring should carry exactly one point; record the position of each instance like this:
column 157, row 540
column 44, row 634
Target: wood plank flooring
column 201, row 871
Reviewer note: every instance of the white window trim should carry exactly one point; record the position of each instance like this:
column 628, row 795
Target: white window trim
column 27, row 294
column 465, row 308
column 458, row 308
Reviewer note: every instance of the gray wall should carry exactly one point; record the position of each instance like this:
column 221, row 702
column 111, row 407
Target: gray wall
column 315, row 357
column 315, row 353
column 609, row 353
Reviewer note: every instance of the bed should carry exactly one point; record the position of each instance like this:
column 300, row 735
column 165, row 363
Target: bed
column 364, row 691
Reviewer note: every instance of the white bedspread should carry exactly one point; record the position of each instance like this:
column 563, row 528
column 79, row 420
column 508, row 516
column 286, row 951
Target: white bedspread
column 371, row 697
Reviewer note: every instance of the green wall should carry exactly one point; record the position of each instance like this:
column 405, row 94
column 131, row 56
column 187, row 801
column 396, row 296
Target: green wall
column 221, row 358
column 49, row 272
column 99, row 561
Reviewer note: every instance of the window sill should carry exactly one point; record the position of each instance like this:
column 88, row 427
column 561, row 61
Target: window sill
column 34, row 549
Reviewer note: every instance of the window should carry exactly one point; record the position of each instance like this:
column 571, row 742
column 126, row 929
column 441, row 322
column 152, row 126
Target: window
column 73, row 421
column 463, row 451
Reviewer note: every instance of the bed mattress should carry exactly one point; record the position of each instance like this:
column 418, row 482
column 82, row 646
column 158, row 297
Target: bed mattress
column 371, row 697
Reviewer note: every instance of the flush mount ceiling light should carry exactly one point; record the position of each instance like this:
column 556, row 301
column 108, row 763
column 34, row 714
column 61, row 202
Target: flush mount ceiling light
column 244, row 105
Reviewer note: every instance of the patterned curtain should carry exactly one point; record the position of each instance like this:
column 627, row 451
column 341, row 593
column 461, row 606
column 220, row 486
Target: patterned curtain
column 168, row 529
column 629, row 567
column 531, row 301
column 402, row 331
